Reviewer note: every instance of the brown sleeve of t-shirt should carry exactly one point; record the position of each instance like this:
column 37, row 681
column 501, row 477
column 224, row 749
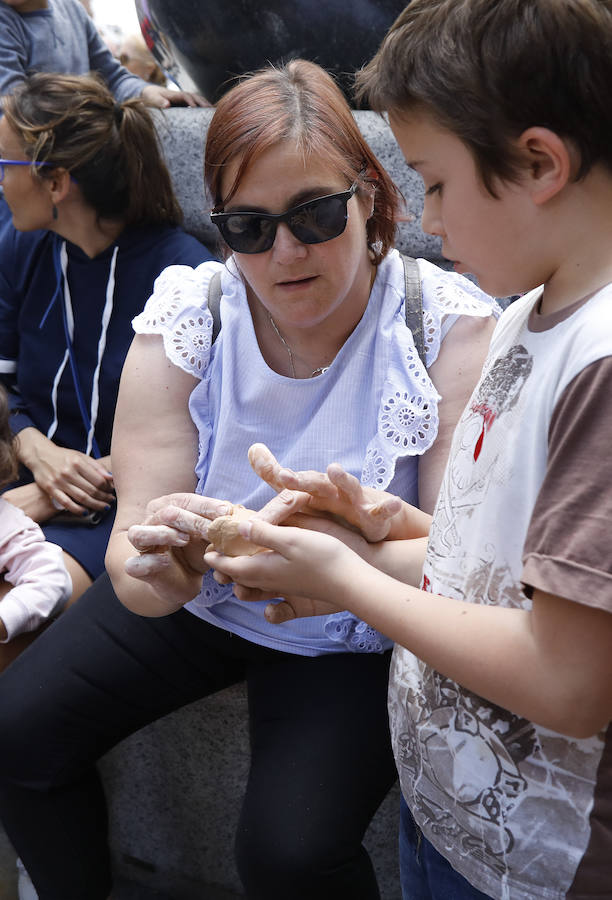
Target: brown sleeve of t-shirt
column 568, row 548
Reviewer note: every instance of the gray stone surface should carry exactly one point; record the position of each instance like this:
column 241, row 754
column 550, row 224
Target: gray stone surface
column 8, row 870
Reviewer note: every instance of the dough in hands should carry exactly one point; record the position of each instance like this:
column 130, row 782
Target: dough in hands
column 224, row 537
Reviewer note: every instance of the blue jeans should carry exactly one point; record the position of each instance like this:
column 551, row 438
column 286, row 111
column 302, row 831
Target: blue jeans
column 424, row 873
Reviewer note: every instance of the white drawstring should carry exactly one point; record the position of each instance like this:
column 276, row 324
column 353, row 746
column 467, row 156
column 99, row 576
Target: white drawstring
column 106, row 315
column 53, row 426
column 70, row 318
column 108, row 309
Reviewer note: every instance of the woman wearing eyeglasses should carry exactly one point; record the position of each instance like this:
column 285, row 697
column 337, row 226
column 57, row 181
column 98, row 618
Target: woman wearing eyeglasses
column 315, row 359
column 94, row 221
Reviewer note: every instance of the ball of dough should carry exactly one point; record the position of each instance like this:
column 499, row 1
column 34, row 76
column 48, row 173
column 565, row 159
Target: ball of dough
column 224, row 537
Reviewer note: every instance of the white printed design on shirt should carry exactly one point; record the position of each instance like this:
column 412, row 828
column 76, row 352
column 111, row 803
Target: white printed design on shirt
column 470, row 770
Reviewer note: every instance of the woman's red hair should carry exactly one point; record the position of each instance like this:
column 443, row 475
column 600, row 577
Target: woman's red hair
column 298, row 102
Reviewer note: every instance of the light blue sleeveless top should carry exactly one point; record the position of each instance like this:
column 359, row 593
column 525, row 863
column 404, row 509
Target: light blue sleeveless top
column 374, row 411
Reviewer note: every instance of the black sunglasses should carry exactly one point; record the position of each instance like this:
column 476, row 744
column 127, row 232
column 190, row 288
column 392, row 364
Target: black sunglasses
column 313, row 222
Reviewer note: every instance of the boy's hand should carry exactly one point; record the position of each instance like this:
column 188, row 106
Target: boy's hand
column 336, row 492
column 302, row 564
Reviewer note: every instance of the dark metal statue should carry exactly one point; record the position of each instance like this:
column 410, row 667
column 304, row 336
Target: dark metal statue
column 205, row 44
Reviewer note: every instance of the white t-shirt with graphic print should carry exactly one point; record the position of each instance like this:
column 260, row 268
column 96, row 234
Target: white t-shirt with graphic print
column 520, row 811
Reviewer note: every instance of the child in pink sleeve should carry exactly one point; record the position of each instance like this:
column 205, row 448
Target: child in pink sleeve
column 34, row 583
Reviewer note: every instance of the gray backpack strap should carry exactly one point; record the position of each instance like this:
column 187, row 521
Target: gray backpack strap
column 214, row 302
column 414, row 304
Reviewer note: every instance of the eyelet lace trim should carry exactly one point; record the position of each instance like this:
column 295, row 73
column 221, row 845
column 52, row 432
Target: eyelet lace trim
column 450, row 297
column 178, row 313
column 212, row 593
column 344, row 628
column 408, row 419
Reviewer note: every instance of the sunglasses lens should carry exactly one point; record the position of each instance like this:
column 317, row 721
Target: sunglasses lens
column 319, row 221
column 311, row 223
column 248, row 233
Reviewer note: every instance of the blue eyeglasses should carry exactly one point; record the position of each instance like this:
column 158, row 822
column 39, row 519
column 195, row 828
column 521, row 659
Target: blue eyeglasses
column 18, row 162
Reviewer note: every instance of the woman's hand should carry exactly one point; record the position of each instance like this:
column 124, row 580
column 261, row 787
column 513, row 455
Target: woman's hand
column 172, row 540
column 71, row 479
column 171, row 543
column 161, row 97
column 377, row 515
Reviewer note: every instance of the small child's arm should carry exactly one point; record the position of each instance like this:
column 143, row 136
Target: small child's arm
column 33, row 568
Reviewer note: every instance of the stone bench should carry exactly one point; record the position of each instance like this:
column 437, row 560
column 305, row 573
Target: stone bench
column 175, row 787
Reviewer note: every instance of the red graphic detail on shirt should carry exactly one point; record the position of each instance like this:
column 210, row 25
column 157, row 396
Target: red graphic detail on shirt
column 426, row 583
column 488, row 417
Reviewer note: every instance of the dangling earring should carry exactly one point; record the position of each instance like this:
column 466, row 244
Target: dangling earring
column 54, row 212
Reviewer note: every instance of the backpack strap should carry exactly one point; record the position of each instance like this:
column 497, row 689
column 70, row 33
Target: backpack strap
column 214, row 302
column 414, row 304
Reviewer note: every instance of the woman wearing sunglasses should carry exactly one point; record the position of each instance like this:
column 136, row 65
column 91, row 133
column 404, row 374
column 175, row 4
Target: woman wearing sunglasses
column 314, row 358
column 94, row 220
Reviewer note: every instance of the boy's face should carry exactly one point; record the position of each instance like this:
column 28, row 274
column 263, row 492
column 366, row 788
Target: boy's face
column 481, row 234
column 27, row 5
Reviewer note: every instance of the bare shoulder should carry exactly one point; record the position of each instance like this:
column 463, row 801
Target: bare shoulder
column 462, row 354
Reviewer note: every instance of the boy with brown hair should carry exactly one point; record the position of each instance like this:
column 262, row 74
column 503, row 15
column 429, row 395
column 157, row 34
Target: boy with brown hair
column 501, row 687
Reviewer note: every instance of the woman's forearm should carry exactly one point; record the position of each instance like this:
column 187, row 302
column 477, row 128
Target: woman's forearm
column 402, row 560
column 28, row 443
column 138, row 595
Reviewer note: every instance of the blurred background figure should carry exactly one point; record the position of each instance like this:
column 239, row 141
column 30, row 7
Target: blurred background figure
column 58, row 36
column 114, row 20
column 134, row 56
column 94, row 222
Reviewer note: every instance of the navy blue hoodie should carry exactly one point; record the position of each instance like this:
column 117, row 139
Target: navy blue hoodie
column 44, row 279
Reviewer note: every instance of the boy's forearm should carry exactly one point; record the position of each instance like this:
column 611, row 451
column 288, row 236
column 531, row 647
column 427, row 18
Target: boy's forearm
column 493, row 651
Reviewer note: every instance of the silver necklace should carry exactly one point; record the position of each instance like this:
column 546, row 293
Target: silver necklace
column 318, row 371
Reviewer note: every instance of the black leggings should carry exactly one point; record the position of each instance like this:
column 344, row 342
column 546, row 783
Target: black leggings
column 321, row 761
